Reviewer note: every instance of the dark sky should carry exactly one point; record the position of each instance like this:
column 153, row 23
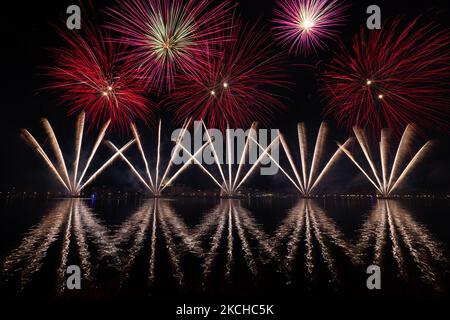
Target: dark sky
column 27, row 32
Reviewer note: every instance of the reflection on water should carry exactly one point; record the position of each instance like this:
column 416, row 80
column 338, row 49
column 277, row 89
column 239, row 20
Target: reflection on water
column 308, row 224
column 71, row 220
column 306, row 245
column 392, row 225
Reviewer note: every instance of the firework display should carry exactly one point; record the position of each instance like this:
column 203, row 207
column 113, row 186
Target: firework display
column 391, row 77
column 236, row 86
column 387, row 181
column 90, row 77
column 304, row 26
column 307, row 182
column 206, row 64
column 166, row 36
column 190, row 179
column 158, row 183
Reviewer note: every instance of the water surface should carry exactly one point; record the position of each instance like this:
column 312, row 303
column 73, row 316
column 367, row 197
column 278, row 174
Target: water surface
column 211, row 248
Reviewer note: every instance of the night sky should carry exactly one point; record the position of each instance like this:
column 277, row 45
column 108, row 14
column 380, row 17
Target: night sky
column 28, row 32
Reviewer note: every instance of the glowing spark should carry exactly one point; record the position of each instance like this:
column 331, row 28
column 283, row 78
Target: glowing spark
column 303, row 26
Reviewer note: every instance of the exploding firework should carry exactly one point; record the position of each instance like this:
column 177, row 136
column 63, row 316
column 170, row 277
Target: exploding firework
column 305, row 25
column 168, row 35
column 231, row 179
column 235, row 86
column 156, row 183
column 390, row 78
column 311, row 176
column 388, row 181
column 91, row 78
column 74, row 183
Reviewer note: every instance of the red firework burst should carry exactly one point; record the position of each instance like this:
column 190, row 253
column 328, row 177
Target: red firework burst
column 91, row 78
column 234, row 87
column 304, row 25
column 391, row 77
column 168, row 35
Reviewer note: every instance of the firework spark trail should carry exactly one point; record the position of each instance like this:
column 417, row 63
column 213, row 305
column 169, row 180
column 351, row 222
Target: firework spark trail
column 417, row 158
column 311, row 177
column 329, row 165
column 141, row 149
column 129, row 164
column 158, row 154
column 57, row 150
column 404, row 145
column 196, row 161
column 213, row 150
column 291, row 162
column 258, row 161
column 194, row 156
column 158, row 184
column 229, row 184
column 178, row 144
column 318, row 152
column 303, row 145
column 78, row 144
column 106, row 164
column 35, row 145
column 71, row 184
column 252, row 131
column 358, row 166
column 404, row 148
column 93, row 152
column 362, row 139
column 230, row 153
column 384, row 150
column 266, row 152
